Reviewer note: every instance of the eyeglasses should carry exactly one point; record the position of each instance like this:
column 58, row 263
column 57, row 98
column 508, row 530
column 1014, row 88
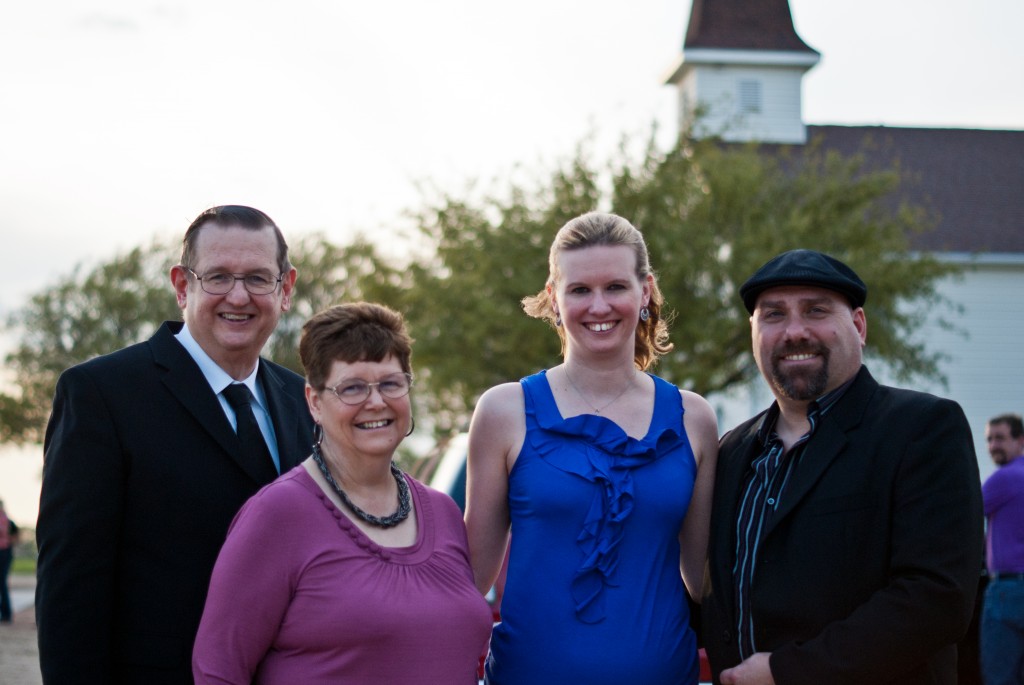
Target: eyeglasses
column 221, row 283
column 356, row 390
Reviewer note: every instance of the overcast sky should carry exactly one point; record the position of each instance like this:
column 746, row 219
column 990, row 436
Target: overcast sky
column 121, row 120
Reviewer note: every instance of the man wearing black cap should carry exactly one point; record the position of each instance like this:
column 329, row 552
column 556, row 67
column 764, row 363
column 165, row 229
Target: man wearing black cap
column 847, row 521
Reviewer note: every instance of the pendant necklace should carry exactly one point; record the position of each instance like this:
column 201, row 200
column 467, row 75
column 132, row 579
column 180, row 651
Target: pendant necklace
column 390, row 521
column 597, row 410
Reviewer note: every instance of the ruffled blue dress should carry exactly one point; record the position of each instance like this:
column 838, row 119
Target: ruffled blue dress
column 594, row 594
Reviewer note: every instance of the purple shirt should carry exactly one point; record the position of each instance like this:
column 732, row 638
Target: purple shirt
column 300, row 595
column 1003, row 494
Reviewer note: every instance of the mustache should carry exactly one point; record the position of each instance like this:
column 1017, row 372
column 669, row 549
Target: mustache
column 786, row 349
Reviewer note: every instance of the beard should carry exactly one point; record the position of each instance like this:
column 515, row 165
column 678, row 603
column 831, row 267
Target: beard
column 801, row 385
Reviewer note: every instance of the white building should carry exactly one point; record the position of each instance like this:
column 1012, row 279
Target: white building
column 743, row 62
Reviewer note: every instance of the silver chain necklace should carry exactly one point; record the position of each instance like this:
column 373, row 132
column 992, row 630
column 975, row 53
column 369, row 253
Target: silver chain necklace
column 597, row 410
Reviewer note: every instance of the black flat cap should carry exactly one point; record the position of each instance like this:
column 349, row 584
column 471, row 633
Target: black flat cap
column 805, row 267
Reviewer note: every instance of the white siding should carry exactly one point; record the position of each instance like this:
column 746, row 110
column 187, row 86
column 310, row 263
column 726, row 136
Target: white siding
column 717, row 88
column 985, row 369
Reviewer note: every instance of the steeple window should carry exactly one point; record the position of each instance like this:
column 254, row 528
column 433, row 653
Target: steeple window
column 749, row 96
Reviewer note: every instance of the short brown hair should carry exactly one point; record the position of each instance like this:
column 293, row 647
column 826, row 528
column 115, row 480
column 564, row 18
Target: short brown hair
column 1013, row 421
column 596, row 228
column 232, row 216
column 355, row 332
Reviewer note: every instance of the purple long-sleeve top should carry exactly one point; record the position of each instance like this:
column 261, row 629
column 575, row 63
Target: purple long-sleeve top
column 1003, row 494
column 300, row 595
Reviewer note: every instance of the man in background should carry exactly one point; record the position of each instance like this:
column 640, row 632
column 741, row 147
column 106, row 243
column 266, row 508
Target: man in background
column 1002, row 618
column 150, row 452
column 846, row 532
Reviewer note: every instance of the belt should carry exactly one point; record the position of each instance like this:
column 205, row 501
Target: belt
column 1008, row 576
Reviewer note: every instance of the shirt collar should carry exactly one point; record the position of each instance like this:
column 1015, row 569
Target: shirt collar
column 217, row 377
column 815, row 409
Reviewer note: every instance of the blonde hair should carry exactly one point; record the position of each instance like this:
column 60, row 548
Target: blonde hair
column 597, row 228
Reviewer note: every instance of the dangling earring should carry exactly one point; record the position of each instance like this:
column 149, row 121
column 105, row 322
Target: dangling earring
column 412, row 425
column 645, row 313
column 318, row 435
column 558, row 320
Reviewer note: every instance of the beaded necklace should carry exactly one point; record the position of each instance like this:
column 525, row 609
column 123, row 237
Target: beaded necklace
column 390, row 521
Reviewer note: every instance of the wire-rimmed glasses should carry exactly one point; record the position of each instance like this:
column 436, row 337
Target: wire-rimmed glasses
column 221, row 282
column 356, row 390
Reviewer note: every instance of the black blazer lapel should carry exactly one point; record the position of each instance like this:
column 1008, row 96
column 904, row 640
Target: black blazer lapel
column 285, row 410
column 828, row 441
column 186, row 383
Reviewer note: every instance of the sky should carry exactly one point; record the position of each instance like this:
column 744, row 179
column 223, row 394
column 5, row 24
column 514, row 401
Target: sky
column 121, row 120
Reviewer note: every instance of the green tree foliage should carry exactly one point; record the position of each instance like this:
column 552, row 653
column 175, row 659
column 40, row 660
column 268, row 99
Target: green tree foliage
column 329, row 275
column 711, row 214
column 123, row 301
column 81, row 316
column 464, row 310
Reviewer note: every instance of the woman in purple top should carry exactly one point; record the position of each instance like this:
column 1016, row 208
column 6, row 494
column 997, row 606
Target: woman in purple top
column 345, row 569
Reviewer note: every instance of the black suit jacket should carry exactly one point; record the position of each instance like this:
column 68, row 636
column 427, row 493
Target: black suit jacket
column 141, row 477
column 867, row 572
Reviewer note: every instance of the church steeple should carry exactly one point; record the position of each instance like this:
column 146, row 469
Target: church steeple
column 743, row 25
column 742, row 63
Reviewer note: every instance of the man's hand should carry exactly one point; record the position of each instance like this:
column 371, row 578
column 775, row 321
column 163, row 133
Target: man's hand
column 753, row 671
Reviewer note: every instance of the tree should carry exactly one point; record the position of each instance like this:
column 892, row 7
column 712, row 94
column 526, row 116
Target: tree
column 463, row 309
column 124, row 300
column 711, row 214
column 330, row 274
column 83, row 315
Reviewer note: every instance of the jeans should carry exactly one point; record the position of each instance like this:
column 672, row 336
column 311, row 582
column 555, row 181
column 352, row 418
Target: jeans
column 6, row 555
column 1002, row 633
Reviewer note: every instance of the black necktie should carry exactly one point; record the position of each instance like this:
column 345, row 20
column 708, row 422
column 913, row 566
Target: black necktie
column 254, row 446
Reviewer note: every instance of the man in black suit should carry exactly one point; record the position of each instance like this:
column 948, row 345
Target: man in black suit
column 143, row 469
column 847, row 524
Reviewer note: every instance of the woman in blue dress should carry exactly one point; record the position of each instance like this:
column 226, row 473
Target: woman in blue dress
column 603, row 473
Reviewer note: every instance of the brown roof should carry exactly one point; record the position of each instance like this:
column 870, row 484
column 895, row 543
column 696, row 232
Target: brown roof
column 973, row 179
column 742, row 24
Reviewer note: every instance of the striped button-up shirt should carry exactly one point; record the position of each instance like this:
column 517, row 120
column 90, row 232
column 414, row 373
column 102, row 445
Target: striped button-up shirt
column 761, row 493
